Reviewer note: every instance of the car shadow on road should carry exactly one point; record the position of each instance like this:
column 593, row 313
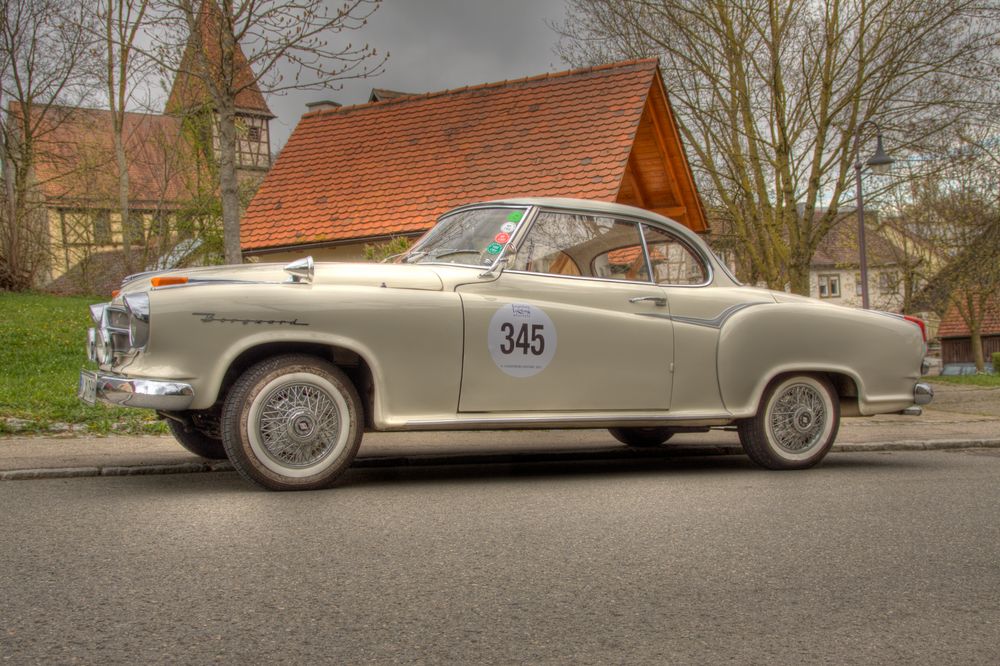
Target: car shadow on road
column 490, row 467
column 587, row 463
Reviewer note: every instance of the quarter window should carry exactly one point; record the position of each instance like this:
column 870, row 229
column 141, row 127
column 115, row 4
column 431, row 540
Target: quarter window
column 672, row 260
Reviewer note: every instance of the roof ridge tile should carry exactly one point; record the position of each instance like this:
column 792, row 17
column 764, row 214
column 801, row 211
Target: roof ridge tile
column 483, row 86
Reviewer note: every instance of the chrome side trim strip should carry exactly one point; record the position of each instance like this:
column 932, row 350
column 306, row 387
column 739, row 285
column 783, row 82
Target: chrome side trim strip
column 462, row 422
column 717, row 322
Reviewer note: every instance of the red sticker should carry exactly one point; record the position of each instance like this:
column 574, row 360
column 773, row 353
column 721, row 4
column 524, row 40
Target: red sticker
column 502, row 237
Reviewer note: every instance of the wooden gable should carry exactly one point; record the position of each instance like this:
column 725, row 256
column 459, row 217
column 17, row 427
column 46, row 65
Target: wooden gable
column 657, row 176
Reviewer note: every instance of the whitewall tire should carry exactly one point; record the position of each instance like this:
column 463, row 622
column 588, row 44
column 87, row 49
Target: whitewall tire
column 795, row 425
column 292, row 422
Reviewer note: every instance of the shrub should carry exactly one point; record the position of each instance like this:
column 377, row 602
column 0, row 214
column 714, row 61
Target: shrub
column 996, row 362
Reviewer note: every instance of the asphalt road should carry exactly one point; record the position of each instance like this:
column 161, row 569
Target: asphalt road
column 870, row 558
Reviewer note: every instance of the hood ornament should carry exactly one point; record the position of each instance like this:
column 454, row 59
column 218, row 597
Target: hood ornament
column 301, row 270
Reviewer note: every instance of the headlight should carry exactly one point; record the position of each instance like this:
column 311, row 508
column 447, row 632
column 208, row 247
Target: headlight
column 137, row 305
column 97, row 311
column 103, row 351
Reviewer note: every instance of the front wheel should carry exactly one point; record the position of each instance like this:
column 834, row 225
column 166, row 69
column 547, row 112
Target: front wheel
column 641, row 437
column 795, row 425
column 292, row 422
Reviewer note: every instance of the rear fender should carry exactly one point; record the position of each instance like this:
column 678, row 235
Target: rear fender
column 880, row 354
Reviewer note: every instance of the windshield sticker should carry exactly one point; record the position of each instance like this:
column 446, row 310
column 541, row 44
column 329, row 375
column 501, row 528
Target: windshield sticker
column 515, row 216
column 494, row 248
column 502, row 237
column 508, row 227
column 521, row 339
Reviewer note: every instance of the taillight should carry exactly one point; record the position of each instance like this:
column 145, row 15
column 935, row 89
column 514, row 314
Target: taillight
column 920, row 323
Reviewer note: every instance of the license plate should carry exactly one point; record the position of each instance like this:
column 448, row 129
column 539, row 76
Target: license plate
column 87, row 389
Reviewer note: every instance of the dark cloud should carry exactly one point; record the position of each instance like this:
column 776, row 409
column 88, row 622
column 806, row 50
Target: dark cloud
column 439, row 44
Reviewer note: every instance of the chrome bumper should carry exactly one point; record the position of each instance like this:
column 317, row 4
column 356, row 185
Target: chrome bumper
column 130, row 392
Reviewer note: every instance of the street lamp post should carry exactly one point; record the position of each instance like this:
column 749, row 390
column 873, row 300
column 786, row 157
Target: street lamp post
column 879, row 163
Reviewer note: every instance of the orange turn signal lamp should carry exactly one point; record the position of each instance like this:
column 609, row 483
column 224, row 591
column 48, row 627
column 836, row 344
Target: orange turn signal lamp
column 167, row 281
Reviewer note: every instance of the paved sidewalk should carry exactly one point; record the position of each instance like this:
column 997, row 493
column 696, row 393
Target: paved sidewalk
column 960, row 417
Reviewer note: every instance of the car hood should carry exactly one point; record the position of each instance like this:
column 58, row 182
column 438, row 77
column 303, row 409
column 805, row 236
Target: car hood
column 391, row 276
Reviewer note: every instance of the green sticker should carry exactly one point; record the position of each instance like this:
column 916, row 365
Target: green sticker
column 494, row 248
column 515, row 216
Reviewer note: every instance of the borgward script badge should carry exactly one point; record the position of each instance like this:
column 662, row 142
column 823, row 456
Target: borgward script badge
column 209, row 317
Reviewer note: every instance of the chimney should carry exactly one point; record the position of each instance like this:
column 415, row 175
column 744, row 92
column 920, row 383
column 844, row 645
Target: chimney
column 322, row 105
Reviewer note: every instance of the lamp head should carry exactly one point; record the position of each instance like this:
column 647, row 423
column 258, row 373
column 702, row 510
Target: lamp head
column 879, row 162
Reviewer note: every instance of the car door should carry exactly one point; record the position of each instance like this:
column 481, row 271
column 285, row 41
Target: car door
column 573, row 324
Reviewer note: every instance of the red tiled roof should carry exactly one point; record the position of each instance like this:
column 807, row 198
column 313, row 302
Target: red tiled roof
column 189, row 90
column 75, row 159
column 953, row 326
column 392, row 167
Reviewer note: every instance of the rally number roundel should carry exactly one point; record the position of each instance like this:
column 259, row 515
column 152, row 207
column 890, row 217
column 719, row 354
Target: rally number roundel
column 522, row 339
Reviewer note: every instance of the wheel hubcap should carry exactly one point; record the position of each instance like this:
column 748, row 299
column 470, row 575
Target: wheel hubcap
column 299, row 425
column 798, row 418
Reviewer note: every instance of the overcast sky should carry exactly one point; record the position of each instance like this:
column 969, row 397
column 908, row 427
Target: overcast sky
column 439, row 44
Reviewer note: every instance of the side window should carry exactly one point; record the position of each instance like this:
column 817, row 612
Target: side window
column 673, row 261
column 583, row 245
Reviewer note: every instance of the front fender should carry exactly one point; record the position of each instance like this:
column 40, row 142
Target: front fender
column 410, row 339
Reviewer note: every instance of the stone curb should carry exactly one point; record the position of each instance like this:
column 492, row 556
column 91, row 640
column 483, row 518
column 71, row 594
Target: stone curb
column 439, row 459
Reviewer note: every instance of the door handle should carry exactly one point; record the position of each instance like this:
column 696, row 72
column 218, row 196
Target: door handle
column 658, row 301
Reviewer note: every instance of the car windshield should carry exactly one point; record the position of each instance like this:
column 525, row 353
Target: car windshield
column 473, row 237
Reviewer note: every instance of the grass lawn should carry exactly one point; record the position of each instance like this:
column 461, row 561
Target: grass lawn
column 42, row 348
column 989, row 381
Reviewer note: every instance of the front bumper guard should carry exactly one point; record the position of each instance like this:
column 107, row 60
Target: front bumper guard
column 161, row 394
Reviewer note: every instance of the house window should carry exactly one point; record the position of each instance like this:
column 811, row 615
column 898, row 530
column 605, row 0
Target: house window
column 253, row 133
column 887, row 282
column 829, row 286
column 857, row 284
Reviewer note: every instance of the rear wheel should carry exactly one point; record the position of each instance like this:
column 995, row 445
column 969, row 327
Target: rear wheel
column 796, row 423
column 292, row 423
column 641, row 437
column 196, row 441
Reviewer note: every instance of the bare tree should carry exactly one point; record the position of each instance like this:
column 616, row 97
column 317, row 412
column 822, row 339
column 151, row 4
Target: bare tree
column 42, row 46
column 957, row 209
column 276, row 36
column 122, row 22
column 769, row 95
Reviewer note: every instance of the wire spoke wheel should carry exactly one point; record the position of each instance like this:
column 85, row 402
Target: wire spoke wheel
column 795, row 425
column 798, row 418
column 292, row 423
column 299, row 424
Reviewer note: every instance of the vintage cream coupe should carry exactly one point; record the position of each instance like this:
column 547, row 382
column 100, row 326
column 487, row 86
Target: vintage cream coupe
column 522, row 313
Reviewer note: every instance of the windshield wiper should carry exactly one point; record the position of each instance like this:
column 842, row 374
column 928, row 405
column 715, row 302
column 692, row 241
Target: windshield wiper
column 413, row 256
